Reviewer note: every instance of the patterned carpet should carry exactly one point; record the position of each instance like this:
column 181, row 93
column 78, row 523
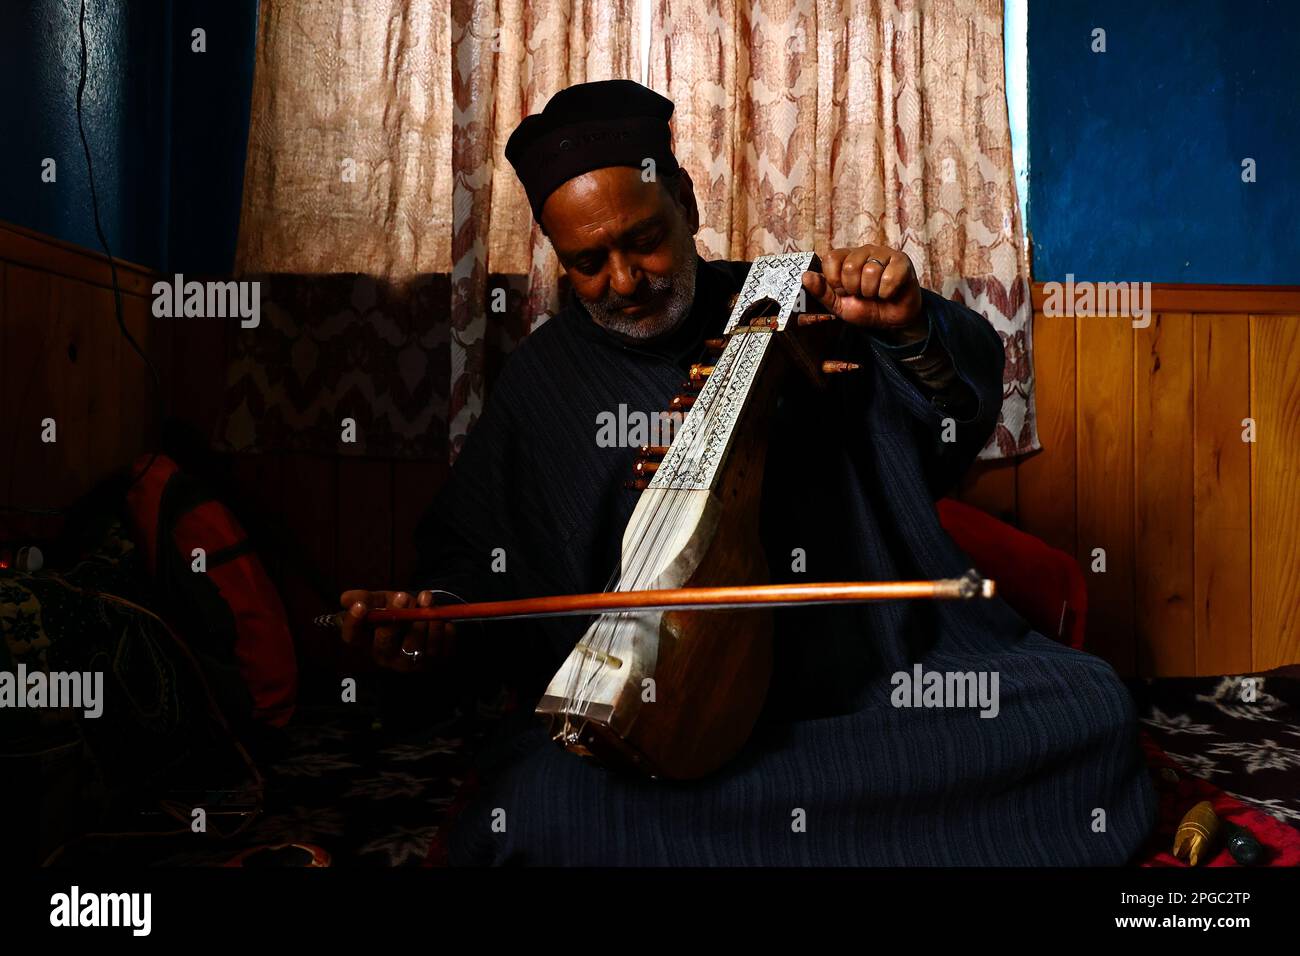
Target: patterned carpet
column 1251, row 749
column 368, row 795
column 372, row 795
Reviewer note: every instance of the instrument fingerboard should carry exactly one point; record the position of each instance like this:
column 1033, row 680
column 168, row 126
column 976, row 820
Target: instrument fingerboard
column 701, row 443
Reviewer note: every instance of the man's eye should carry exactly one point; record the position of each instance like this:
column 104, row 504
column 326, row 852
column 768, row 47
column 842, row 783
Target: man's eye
column 648, row 243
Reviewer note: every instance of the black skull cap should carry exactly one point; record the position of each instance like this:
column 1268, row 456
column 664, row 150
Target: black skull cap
column 590, row 126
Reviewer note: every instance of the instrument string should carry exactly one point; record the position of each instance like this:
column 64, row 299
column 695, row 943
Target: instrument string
column 653, row 535
column 664, row 530
column 659, row 518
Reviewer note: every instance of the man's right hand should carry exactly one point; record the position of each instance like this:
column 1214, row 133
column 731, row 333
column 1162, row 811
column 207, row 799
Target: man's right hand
column 399, row 645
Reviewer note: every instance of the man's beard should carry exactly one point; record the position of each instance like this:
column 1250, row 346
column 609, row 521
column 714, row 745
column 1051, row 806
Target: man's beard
column 680, row 289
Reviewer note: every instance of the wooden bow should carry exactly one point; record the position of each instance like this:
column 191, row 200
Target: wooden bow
column 969, row 585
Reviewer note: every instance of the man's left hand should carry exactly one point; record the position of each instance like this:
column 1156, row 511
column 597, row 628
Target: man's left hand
column 874, row 287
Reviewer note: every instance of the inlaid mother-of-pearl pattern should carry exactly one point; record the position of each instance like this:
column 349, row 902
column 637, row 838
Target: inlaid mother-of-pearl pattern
column 698, row 449
column 779, row 278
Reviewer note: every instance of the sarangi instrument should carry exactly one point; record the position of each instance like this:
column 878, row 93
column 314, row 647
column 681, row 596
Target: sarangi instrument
column 655, row 685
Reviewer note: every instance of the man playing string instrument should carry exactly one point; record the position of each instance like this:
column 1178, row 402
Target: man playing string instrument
column 536, row 506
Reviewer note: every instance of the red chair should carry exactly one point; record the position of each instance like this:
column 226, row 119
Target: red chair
column 1043, row 584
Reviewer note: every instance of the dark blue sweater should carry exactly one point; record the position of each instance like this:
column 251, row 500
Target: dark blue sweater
column 851, row 480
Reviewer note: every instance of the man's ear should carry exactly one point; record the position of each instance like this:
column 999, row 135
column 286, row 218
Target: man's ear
column 686, row 197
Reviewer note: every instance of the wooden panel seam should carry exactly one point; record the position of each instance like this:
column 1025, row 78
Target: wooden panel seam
column 47, row 254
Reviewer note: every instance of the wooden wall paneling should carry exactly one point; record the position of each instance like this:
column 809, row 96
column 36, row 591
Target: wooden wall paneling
column 198, row 367
column 8, row 371
column 1275, row 363
column 1045, row 480
column 414, row 485
column 1221, row 474
column 364, row 519
column 1241, row 299
column 364, row 522
column 137, row 425
column 73, row 367
column 28, row 398
column 162, row 339
column 1104, row 443
column 309, row 498
column 7, row 418
column 259, row 487
column 27, row 392
column 991, row 487
column 100, row 364
column 51, row 256
column 1164, row 429
column 1209, row 297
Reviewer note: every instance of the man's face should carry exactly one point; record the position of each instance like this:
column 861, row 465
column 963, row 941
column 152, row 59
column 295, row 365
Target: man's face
column 627, row 247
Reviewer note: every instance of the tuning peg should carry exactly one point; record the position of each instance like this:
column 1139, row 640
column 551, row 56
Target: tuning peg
column 699, row 372
column 715, row 345
column 681, row 403
column 806, row 319
column 833, row 366
column 643, row 467
column 652, row 452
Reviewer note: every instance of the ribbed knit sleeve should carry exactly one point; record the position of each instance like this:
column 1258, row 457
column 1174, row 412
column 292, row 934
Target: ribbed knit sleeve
column 955, row 420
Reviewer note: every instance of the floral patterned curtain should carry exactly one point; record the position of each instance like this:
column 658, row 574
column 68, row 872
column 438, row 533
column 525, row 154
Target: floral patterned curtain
column 830, row 123
column 347, row 222
column 376, row 149
column 509, row 58
column 349, row 138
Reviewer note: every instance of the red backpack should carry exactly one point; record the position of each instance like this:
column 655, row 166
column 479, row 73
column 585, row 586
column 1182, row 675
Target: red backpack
column 229, row 614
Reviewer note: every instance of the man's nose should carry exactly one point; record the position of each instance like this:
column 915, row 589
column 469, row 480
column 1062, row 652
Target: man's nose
column 624, row 275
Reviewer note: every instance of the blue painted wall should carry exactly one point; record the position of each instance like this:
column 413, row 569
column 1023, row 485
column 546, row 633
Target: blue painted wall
column 1135, row 154
column 125, row 116
column 211, row 98
column 167, row 128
